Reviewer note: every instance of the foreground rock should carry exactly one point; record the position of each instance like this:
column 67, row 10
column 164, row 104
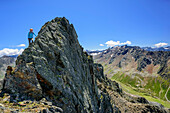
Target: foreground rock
column 55, row 67
column 42, row 106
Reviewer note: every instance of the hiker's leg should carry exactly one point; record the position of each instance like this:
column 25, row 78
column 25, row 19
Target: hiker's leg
column 29, row 41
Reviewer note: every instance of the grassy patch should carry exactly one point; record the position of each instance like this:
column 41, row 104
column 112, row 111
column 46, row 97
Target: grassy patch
column 153, row 86
column 168, row 95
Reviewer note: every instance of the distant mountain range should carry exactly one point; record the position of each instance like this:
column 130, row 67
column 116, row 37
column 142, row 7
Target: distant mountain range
column 157, row 49
column 96, row 52
column 135, row 57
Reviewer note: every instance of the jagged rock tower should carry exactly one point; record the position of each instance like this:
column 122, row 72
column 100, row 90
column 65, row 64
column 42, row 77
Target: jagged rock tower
column 55, row 67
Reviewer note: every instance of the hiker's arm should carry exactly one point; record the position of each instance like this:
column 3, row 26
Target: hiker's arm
column 35, row 34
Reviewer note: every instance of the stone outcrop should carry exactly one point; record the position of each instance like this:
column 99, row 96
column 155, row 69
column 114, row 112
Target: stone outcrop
column 55, row 67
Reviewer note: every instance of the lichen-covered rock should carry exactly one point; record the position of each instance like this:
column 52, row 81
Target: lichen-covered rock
column 56, row 68
column 27, row 106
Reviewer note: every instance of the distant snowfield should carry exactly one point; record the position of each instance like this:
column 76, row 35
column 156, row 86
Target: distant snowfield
column 94, row 54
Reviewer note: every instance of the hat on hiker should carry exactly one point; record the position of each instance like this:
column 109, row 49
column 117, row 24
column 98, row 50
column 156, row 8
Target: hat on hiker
column 31, row 29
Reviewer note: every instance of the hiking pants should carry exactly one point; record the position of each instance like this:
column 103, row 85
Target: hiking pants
column 30, row 40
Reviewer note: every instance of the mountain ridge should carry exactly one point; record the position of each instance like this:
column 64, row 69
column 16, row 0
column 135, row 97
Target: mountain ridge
column 157, row 49
column 96, row 52
column 142, row 58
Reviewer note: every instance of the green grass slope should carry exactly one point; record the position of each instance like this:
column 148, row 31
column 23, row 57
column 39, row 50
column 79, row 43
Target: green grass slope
column 152, row 88
column 133, row 91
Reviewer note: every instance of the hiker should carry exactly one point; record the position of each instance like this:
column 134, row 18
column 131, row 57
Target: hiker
column 30, row 36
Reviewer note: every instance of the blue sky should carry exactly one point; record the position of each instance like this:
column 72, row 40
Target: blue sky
column 142, row 22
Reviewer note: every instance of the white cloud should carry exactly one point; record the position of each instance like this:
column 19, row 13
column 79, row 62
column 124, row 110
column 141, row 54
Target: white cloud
column 127, row 42
column 112, row 43
column 161, row 44
column 21, row 45
column 10, row 52
column 101, row 45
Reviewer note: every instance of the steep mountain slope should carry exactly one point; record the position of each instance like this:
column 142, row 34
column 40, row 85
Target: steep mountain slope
column 56, row 68
column 146, row 71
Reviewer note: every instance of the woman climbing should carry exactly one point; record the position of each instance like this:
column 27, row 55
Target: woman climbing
column 30, row 36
